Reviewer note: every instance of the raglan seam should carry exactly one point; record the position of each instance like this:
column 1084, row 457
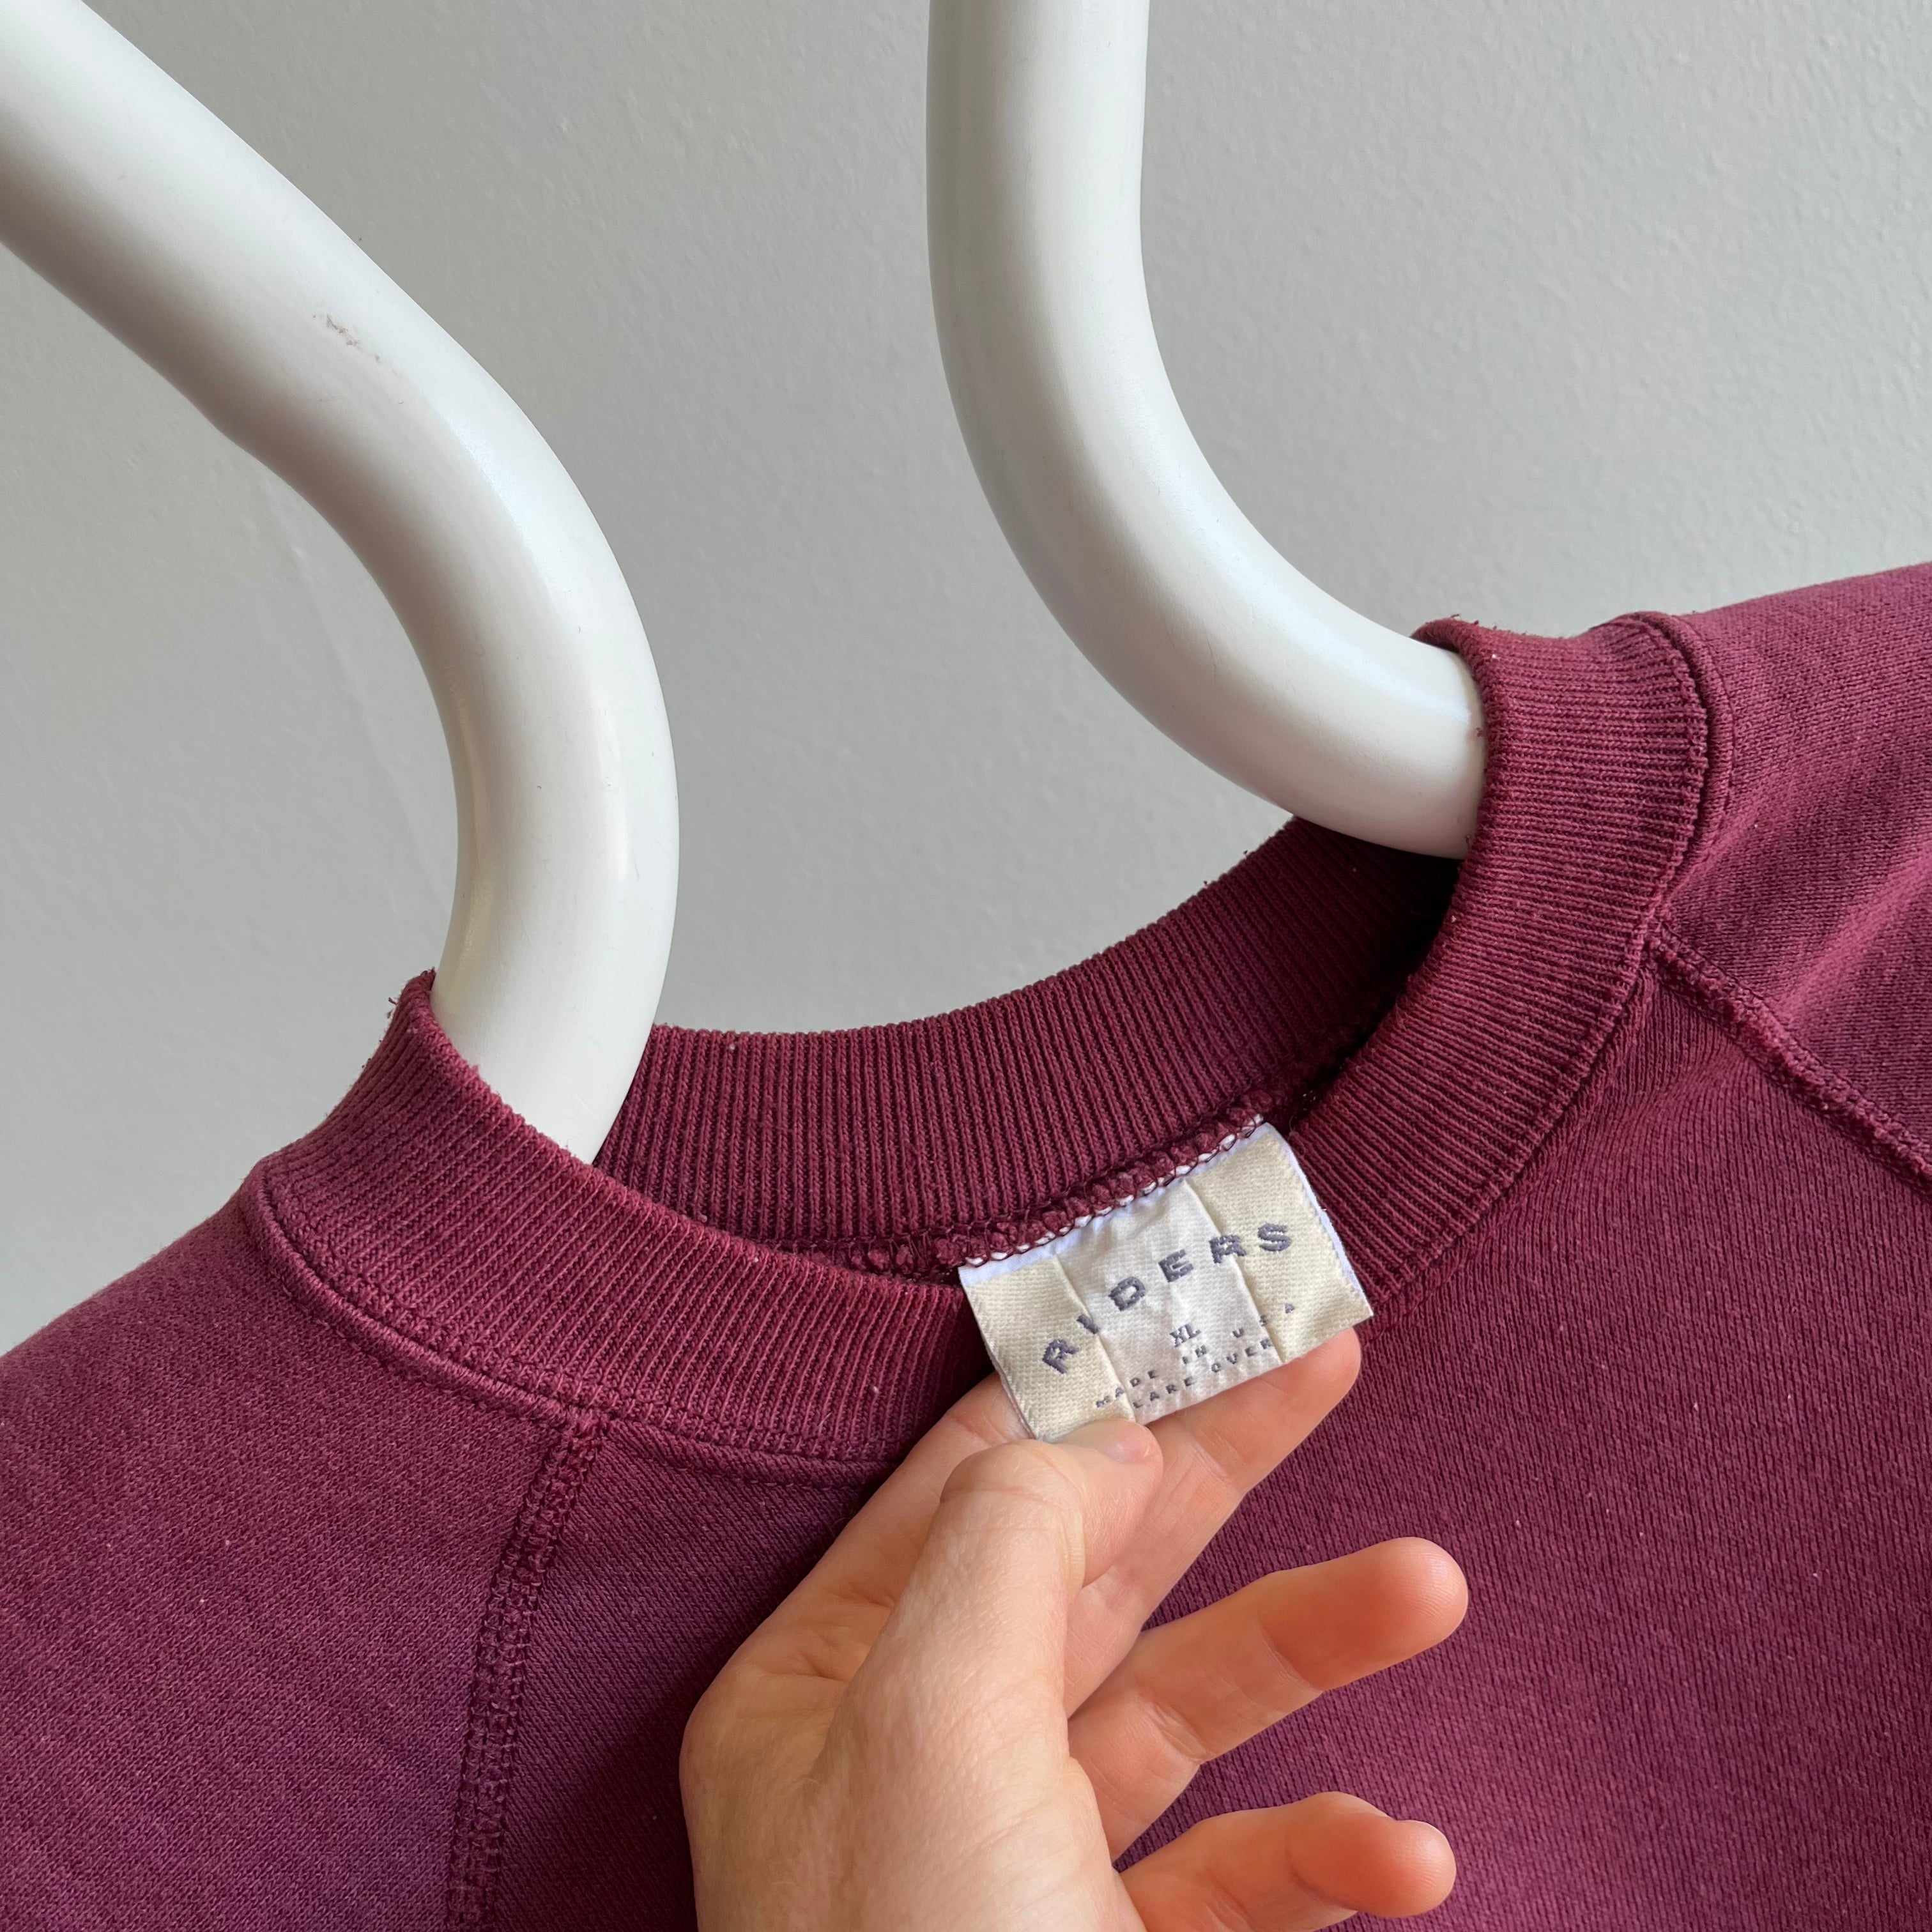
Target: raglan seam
column 1774, row 1045
column 1745, row 1015
column 493, row 1733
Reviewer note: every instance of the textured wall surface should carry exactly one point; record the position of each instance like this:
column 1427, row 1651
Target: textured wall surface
column 1527, row 311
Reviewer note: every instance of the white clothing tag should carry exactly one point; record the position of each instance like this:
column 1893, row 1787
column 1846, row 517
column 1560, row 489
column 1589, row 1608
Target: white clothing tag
column 1222, row 1272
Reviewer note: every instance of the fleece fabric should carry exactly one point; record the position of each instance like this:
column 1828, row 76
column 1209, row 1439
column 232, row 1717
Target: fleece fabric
column 362, row 1553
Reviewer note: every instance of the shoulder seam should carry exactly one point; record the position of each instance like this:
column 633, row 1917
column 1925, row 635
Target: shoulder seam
column 1752, row 1021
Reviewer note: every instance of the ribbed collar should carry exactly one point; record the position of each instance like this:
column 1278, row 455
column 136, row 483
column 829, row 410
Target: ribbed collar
column 756, row 1261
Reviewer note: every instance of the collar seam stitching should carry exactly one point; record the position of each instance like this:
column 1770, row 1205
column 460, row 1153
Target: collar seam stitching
column 958, row 1244
column 514, row 1385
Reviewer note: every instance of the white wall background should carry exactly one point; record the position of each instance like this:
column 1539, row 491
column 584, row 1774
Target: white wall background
column 1532, row 312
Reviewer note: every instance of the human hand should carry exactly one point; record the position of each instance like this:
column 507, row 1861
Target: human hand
column 956, row 1722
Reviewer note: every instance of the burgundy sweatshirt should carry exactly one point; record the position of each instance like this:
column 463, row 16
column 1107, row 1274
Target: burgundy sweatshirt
column 362, row 1553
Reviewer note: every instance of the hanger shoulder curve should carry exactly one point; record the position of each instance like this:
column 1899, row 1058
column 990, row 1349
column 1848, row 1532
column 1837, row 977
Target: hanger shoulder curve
column 125, row 193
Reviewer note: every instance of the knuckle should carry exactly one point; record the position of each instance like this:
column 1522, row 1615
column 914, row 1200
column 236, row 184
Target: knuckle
column 1172, row 1741
column 1028, row 1475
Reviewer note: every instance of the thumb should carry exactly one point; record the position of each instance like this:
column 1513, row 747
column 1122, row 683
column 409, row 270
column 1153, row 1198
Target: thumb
column 1019, row 1530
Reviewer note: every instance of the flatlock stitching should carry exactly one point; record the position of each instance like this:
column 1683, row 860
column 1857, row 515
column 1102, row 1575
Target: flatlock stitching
column 511, row 1399
column 492, row 1733
column 318, row 1301
column 1750, row 1019
column 409, row 1327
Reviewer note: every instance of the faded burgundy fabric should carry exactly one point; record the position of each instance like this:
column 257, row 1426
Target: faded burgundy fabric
column 362, row 1555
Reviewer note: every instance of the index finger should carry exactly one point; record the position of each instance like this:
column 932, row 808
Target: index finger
column 1215, row 1453
column 1212, row 1455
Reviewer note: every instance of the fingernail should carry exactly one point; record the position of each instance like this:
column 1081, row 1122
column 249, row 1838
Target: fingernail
column 1123, row 1441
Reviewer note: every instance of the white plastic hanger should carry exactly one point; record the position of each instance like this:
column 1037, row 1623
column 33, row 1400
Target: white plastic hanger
column 117, row 186
column 1035, row 110
column 127, row 194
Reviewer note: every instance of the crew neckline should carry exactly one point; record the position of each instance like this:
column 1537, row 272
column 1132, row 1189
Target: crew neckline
column 753, row 1262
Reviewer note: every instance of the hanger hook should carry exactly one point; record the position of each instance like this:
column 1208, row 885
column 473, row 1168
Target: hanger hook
column 1034, row 120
